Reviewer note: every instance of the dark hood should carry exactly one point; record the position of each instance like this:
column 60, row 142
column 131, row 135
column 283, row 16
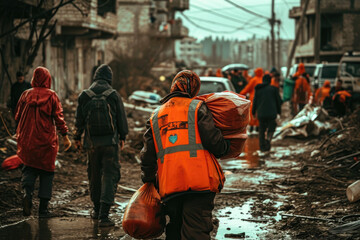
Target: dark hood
column 266, row 82
column 41, row 78
column 103, row 72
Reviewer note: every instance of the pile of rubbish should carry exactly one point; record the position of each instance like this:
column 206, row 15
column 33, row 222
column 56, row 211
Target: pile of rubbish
column 343, row 144
column 310, row 121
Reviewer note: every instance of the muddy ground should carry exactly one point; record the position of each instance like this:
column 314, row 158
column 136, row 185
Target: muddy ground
column 298, row 177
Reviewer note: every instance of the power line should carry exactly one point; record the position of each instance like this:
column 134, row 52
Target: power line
column 212, row 30
column 286, row 3
column 247, row 10
column 284, row 30
column 226, row 17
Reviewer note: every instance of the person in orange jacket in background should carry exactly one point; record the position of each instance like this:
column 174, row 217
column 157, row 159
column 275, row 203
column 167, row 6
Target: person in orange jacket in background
column 250, row 89
column 246, row 75
column 302, row 93
column 341, row 102
column 322, row 93
column 218, row 73
column 275, row 78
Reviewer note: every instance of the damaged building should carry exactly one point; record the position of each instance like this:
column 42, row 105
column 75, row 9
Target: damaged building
column 335, row 33
column 86, row 34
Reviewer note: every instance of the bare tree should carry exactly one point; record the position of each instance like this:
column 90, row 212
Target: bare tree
column 39, row 26
column 134, row 64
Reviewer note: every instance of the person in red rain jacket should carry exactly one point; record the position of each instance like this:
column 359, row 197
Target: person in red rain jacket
column 250, row 88
column 39, row 114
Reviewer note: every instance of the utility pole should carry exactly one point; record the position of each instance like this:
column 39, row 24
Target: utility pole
column 297, row 36
column 272, row 23
column 279, row 48
column 317, row 32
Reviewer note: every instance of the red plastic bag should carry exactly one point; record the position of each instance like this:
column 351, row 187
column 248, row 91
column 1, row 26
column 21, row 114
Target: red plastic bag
column 231, row 115
column 11, row 163
column 143, row 218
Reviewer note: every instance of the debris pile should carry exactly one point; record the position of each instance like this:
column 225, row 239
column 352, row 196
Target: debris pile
column 310, row 121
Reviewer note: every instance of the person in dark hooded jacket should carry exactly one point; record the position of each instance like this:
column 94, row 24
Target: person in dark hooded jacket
column 180, row 146
column 266, row 106
column 38, row 115
column 101, row 144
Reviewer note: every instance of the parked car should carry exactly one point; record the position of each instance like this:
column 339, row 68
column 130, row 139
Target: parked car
column 325, row 71
column 349, row 71
column 215, row 84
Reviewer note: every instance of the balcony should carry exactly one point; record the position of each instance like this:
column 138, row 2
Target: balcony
column 87, row 22
column 179, row 5
column 178, row 31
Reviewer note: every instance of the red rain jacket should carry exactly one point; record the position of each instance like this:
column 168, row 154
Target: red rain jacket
column 37, row 113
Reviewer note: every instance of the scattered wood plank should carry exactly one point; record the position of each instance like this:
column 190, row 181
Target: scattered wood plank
column 307, row 217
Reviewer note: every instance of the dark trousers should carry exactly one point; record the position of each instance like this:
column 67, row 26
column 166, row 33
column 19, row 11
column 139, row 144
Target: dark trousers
column 29, row 175
column 190, row 216
column 103, row 173
column 266, row 127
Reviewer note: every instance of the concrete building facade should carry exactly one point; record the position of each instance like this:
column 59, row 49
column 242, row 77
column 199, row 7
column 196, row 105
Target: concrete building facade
column 338, row 32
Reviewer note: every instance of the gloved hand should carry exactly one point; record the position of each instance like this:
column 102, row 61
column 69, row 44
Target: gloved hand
column 66, row 142
column 78, row 144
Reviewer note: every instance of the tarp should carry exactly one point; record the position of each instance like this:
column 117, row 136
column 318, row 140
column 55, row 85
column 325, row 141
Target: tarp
column 310, row 121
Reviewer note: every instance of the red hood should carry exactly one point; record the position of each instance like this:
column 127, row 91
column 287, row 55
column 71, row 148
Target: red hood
column 327, row 84
column 258, row 72
column 301, row 69
column 41, row 78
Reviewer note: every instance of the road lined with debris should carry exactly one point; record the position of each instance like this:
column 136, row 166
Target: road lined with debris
column 297, row 191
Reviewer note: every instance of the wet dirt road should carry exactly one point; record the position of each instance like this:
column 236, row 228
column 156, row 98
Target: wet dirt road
column 257, row 191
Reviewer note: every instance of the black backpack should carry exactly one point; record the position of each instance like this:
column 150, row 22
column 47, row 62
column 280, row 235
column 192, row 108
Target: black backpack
column 99, row 121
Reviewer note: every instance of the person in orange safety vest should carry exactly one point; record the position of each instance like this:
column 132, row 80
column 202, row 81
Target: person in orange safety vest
column 181, row 145
column 323, row 94
column 250, row 89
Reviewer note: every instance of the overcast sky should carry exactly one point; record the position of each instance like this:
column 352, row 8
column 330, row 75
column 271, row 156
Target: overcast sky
column 220, row 18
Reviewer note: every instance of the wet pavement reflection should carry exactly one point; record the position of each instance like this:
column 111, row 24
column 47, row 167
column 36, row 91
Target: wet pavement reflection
column 249, row 158
column 59, row 228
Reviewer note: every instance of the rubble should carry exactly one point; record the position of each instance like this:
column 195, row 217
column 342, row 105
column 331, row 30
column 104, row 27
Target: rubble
column 310, row 121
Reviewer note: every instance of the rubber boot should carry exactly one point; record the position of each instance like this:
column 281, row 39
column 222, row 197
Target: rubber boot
column 104, row 220
column 27, row 204
column 43, row 208
column 95, row 212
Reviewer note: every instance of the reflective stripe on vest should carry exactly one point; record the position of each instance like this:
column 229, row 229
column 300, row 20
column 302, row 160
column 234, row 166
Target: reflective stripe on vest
column 192, row 147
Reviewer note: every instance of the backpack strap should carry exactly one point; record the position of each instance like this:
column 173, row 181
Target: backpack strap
column 90, row 93
column 107, row 92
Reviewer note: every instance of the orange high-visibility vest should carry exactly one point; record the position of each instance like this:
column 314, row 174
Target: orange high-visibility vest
column 183, row 163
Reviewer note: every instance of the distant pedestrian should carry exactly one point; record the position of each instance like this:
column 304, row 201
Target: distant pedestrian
column 302, row 93
column 100, row 113
column 219, row 73
column 39, row 114
column 266, row 106
column 250, row 89
column 246, row 75
column 181, row 145
column 322, row 95
column 238, row 80
column 17, row 89
column 338, row 87
column 342, row 102
column 275, row 79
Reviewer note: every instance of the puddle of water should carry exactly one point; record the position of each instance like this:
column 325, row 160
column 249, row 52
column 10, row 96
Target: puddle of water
column 237, row 220
column 247, row 159
column 59, row 228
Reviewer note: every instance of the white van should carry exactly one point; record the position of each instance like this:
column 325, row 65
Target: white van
column 349, row 71
column 325, row 71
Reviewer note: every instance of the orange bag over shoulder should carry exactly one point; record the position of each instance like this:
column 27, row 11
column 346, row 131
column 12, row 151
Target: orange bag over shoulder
column 143, row 218
column 231, row 115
